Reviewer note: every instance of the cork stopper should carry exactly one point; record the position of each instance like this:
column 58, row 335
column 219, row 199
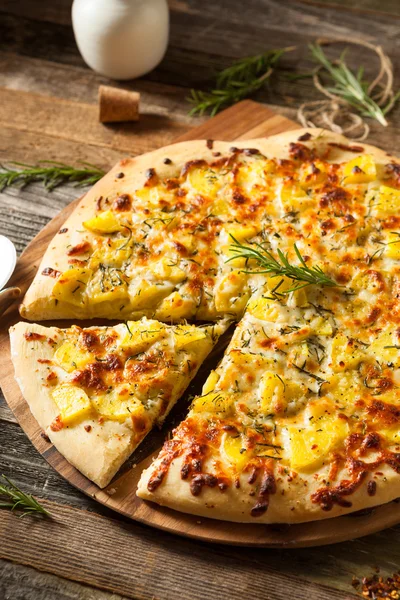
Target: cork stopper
column 118, row 105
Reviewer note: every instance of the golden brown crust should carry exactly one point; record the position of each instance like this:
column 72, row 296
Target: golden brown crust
column 291, row 504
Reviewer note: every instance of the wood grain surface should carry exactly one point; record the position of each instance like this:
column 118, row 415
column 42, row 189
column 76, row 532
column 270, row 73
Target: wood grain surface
column 115, row 567
column 38, row 56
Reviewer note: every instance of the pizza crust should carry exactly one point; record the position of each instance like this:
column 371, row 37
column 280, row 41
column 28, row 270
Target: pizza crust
column 290, row 504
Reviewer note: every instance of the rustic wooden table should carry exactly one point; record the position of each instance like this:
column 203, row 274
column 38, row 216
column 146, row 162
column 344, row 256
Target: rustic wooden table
column 48, row 111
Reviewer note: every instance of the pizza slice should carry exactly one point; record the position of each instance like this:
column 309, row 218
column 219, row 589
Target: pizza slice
column 98, row 391
column 301, row 419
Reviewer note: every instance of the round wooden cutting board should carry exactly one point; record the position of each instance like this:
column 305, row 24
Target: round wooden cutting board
column 120, row 493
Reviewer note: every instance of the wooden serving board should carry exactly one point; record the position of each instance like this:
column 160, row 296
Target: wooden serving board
column 245, row 120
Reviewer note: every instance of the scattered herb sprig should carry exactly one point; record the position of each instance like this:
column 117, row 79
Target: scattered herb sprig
column 351, row 87
column 240, row 80
column 13, row 498
column 301, row 273
column 51, row 173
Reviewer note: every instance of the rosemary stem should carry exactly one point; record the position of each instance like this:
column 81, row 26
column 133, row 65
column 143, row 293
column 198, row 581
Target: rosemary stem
column 281, row 265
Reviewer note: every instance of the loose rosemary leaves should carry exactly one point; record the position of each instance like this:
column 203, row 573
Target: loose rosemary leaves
column 51, row 173
column 14, row 499
column 240, row 80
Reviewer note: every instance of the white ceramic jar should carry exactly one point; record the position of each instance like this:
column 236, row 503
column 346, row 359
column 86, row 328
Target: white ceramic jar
column 121, row 39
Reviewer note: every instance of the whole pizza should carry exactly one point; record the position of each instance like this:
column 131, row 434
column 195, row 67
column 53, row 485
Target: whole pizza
column 292, row 244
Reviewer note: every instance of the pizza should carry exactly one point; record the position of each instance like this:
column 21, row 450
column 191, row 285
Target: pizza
column 97, row 392
column 297, row 238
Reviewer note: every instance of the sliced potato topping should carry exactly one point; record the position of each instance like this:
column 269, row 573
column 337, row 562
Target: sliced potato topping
column 73, row 403
column 311, row 444
column 187, row 334
column 233, row 448
column 70, row 356
column 387, row 202
column 217, row 403
column 119, row 404
column 71, row 286
column 361, row 169
column 105, row 222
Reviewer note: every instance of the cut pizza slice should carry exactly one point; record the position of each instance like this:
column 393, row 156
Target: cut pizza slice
column 96, row 392
column 300, row 421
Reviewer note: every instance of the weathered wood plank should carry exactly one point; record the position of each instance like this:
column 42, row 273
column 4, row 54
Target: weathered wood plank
column 49, row 78
column 57, row 11
column 202, row 42
column 25, row 146
column 21, row 462
column 25, row 212
column 78, row 122
column 6, row 413
column 18, row 582
column 373, row 7
column 202, row 36
column 356, row 11
column 60, row 11
column 63, row 545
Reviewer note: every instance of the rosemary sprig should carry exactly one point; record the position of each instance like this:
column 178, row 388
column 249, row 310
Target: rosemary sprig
column 281, row 266
column 51, row 173
column 351, row 87
column 240, row 80
column 13, row 498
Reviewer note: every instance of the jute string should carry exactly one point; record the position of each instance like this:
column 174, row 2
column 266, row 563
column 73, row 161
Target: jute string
column 335, row 112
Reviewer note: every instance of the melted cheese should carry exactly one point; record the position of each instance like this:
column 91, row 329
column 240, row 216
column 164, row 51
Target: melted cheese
column 165, row 248
column 132, row 372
